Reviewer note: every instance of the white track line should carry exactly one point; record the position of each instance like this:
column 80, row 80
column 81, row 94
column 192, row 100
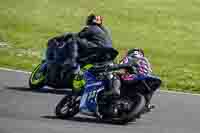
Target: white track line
column 13, row 70
column 180, row 93
column 166, row 91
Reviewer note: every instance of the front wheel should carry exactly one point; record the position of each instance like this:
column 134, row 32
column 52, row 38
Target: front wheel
column 37, row 78
column 67, row 107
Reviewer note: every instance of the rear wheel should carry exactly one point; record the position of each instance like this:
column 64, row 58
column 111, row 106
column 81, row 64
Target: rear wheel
column 37, row 78
column 137, row 104
column 67, row 107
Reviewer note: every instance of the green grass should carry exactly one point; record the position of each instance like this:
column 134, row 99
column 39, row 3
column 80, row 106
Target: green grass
column 167, row 30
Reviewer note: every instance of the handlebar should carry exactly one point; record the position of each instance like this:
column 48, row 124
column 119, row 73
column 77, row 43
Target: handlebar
column 113, row 67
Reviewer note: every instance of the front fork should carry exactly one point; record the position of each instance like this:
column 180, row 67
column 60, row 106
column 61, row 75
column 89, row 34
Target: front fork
column 44, row 61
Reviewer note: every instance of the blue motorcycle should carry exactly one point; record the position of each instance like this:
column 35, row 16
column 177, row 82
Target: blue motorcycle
column 94, row 100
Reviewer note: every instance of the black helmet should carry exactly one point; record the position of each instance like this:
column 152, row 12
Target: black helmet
column 135, row 52
column 93, row 19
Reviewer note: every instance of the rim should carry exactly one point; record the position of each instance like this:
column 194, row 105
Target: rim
column 65, row 109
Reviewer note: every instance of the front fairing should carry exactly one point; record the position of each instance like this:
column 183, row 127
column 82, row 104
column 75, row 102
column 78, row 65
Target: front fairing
column 44, row 54
column 141, row 83
column 89, row 97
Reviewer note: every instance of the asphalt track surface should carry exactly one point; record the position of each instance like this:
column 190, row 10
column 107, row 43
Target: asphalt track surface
column 26, row 111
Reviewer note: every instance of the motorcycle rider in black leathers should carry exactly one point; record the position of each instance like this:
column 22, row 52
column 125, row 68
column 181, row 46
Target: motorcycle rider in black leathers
column 94, row 34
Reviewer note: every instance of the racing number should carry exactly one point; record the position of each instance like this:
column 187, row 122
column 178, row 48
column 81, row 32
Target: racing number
column 92, row 95
column 88, row 97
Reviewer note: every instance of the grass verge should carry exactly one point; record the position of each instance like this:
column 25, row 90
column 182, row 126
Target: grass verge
column 167, row 30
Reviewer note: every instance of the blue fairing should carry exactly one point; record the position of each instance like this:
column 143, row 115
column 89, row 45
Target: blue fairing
column 43, row 67
column 153, row 82
column 89, row 97
column 146, row 77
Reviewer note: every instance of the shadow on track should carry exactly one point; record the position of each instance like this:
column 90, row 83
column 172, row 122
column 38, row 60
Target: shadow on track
column 85, row 120
column 77, row 118
column 42, row 90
